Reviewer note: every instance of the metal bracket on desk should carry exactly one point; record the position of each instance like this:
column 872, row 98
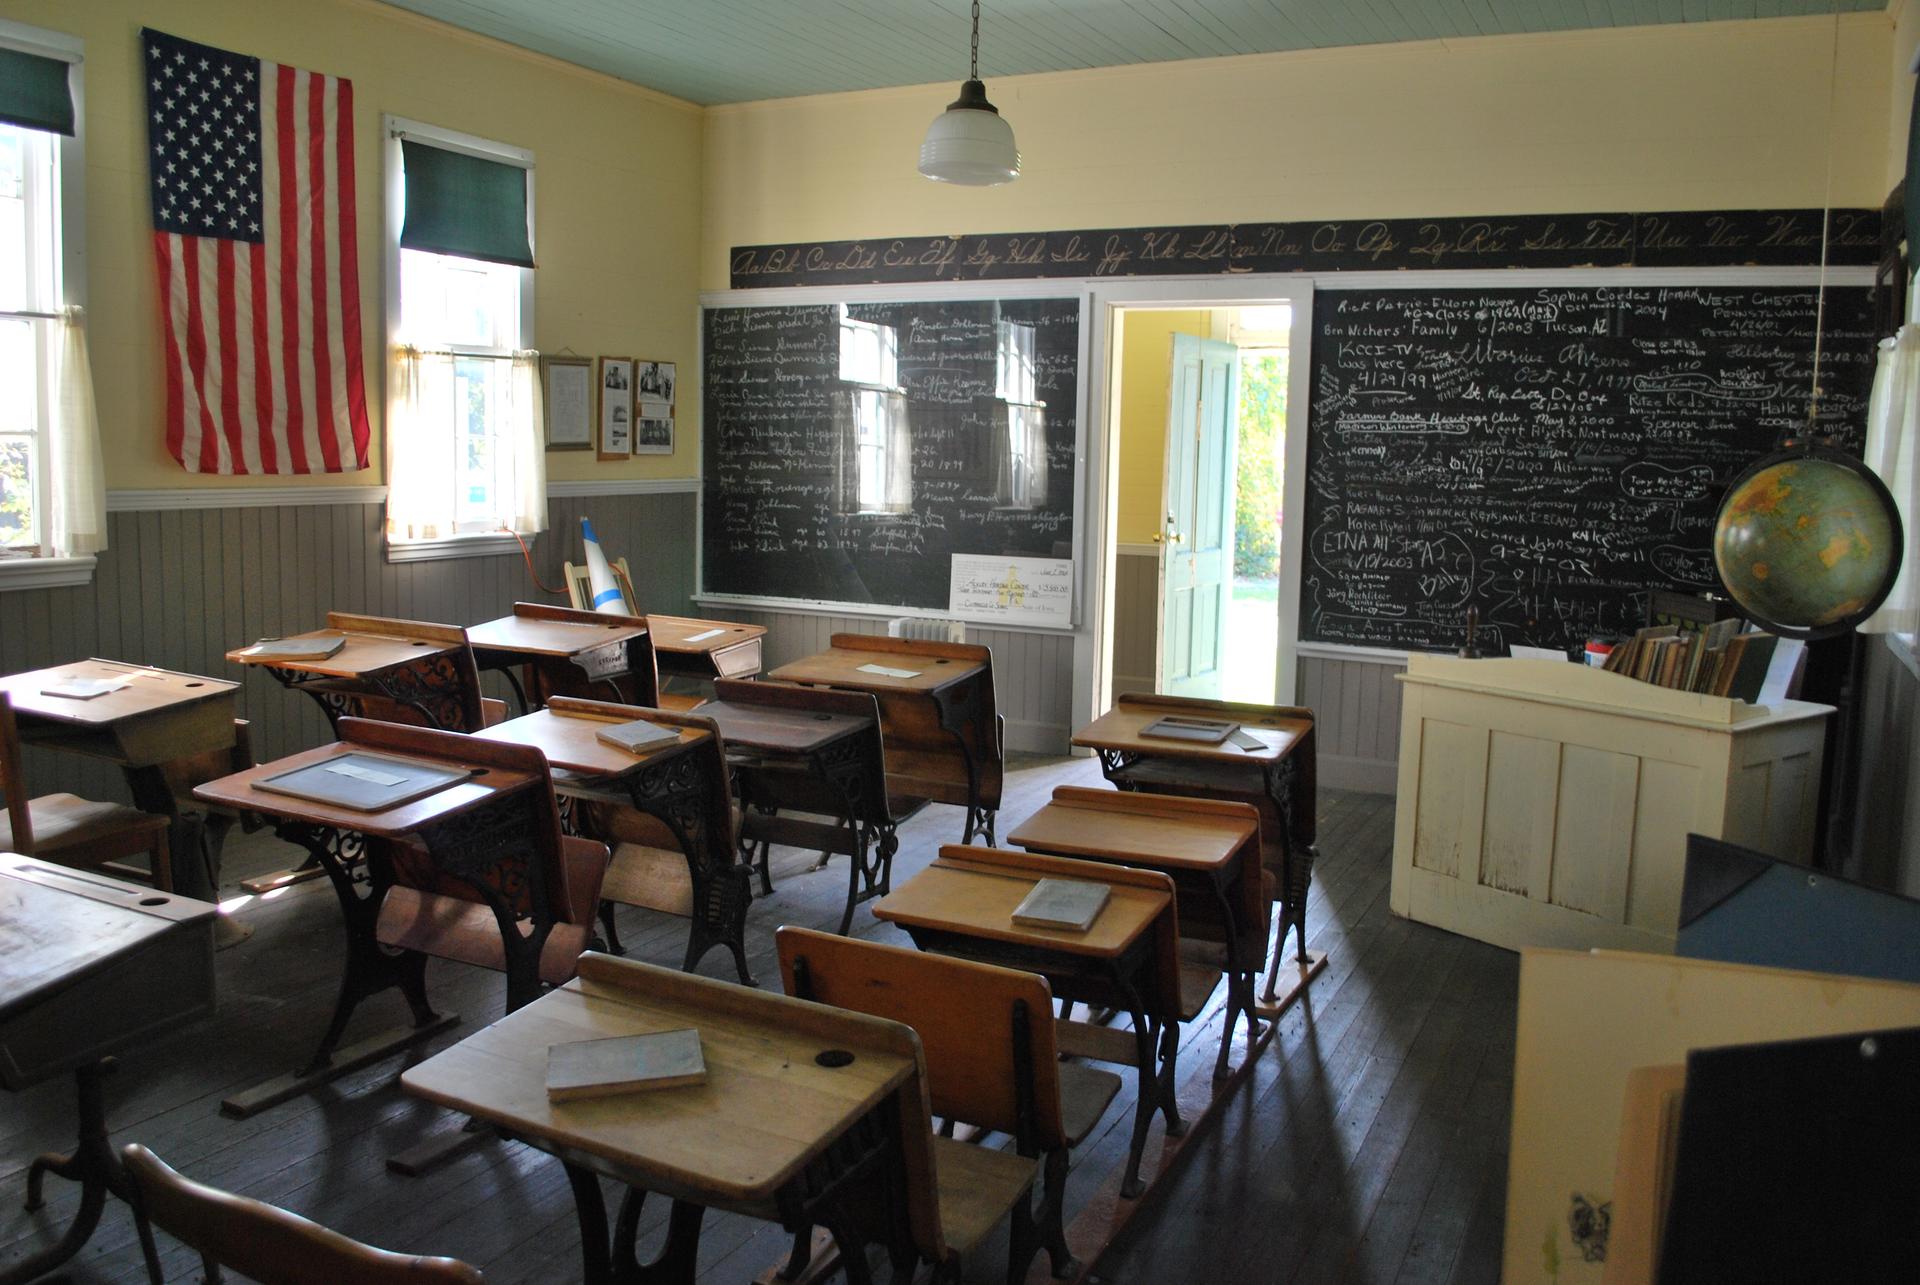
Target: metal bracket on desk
column 955, row 714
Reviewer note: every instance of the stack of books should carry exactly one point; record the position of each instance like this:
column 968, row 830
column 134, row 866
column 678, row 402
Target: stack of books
column 1718, row 660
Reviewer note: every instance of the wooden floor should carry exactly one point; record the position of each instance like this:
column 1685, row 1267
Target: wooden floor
column 1368, row 1144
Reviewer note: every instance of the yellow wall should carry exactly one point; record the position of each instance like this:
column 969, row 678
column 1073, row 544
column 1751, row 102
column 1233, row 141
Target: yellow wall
column 1145, row 360
column 617, row 199
column 1719, row 115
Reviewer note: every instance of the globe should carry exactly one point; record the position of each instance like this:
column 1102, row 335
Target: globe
column 1807, row 544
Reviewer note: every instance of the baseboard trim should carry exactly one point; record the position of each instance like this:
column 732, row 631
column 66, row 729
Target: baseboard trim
column 1365, row 776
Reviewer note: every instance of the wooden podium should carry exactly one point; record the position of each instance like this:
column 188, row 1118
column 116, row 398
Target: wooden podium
column 1548, row 804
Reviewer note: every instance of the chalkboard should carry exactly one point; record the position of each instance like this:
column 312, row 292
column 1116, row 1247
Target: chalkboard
column 976, row 407
column 1546, row 455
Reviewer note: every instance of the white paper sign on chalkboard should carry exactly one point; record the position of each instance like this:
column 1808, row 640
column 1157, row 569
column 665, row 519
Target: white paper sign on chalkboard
column 1025, row 591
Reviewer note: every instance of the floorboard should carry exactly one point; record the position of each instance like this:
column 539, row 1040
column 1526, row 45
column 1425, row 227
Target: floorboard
column 1367, row 1144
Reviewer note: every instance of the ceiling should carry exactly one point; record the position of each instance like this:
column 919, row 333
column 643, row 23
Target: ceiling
column 729, row 51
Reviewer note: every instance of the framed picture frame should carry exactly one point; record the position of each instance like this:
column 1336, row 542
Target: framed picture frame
column 655, row 381
column 569, row 402
column 652, row 432
column 616, row 408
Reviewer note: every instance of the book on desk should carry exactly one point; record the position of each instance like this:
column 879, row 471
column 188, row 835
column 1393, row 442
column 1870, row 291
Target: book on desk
column 1069, row 904
column 316, row 648
column 636, row 737
column 605, row 1068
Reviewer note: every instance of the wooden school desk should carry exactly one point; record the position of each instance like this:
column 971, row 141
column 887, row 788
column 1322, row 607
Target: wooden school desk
column 1278, row 779
column 1211, row 851
column 812, row 750
column 779, row 1130
column 569, row 652
column 668, row 784
column 1128, row 959
column 942, row 734
column 90, row 966
column 463, row 829
column 160, row 717
column 423, row 672
column 706, row 648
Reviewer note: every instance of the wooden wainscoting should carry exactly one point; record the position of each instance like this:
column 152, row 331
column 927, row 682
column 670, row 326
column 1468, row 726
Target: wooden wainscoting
column 178, row 588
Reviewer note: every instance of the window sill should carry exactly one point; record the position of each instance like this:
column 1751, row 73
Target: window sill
column 491, row 544
column 45, row 573
column 1903, row 646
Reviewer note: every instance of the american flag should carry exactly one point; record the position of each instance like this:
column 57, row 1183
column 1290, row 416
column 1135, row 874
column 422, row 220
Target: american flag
column 253, row 232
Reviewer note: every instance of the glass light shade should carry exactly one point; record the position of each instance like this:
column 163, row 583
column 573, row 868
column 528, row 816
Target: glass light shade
column 969, row 143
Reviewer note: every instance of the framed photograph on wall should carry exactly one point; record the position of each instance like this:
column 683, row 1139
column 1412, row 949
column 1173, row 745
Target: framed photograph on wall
column 569, row 402
column 654, row 382
column 653, row 434
column 616, row 408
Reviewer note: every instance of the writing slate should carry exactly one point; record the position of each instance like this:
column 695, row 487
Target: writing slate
column 852, row 490
column 1549, row 456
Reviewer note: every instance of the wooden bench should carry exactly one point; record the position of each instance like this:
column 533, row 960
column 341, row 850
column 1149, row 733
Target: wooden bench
column 1210, row 848
column 992, row 1061
column 945, row 740
column 813, row 750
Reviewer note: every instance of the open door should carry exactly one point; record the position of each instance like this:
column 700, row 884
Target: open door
column 1197, row 564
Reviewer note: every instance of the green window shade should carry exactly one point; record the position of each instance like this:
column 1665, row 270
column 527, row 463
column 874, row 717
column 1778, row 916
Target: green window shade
column 1913, row 182
column 34, row 93
column 465, row 206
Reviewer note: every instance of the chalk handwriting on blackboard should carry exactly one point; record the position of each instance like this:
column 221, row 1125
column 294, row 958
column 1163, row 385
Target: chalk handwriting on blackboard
column 781, row 514
column 1546, row 455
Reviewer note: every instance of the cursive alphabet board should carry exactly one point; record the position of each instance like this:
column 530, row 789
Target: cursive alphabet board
column 1546, row 455
column 851, row 451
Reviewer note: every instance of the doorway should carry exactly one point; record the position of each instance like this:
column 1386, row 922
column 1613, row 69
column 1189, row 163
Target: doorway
column 1198, row 508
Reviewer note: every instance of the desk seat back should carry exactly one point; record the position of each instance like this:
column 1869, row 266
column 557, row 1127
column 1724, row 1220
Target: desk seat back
column 537, row 886
column 1199, row 916
column 918, row 747
column 1161, row 989
column 13, row 781
column 705, row 768
column 640, row 685
column 455, row 695
column 268, row 1244
column 835, row 1028
column 787, row 697
column 965, row 1015
column 1305, row 756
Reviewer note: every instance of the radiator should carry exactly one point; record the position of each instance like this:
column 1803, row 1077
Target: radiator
column 927, row 630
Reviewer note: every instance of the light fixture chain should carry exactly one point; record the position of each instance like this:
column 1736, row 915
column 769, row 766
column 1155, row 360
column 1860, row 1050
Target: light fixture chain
column 976, row 41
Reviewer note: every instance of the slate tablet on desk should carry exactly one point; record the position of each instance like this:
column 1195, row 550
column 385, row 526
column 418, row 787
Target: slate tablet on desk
column 363, row 782
column 1202, row 731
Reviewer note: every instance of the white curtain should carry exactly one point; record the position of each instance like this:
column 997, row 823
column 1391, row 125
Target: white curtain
column 421, row 463
column 527, row 512
column 1893, row 439
column 79, row 519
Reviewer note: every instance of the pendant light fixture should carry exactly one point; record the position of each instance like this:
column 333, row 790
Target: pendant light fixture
column 969, row 143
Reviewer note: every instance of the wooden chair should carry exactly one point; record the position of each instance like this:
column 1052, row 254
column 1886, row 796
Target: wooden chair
column 847, row 780
column 987, row 1036
column 71, row 831
column 265, row 1243
column 689, row 866
column 527, row 911
column 580, row 584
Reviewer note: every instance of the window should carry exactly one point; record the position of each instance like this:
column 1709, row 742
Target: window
column 1020, row 443
column 876, row 445
column 465, row 457
column 51, row 494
